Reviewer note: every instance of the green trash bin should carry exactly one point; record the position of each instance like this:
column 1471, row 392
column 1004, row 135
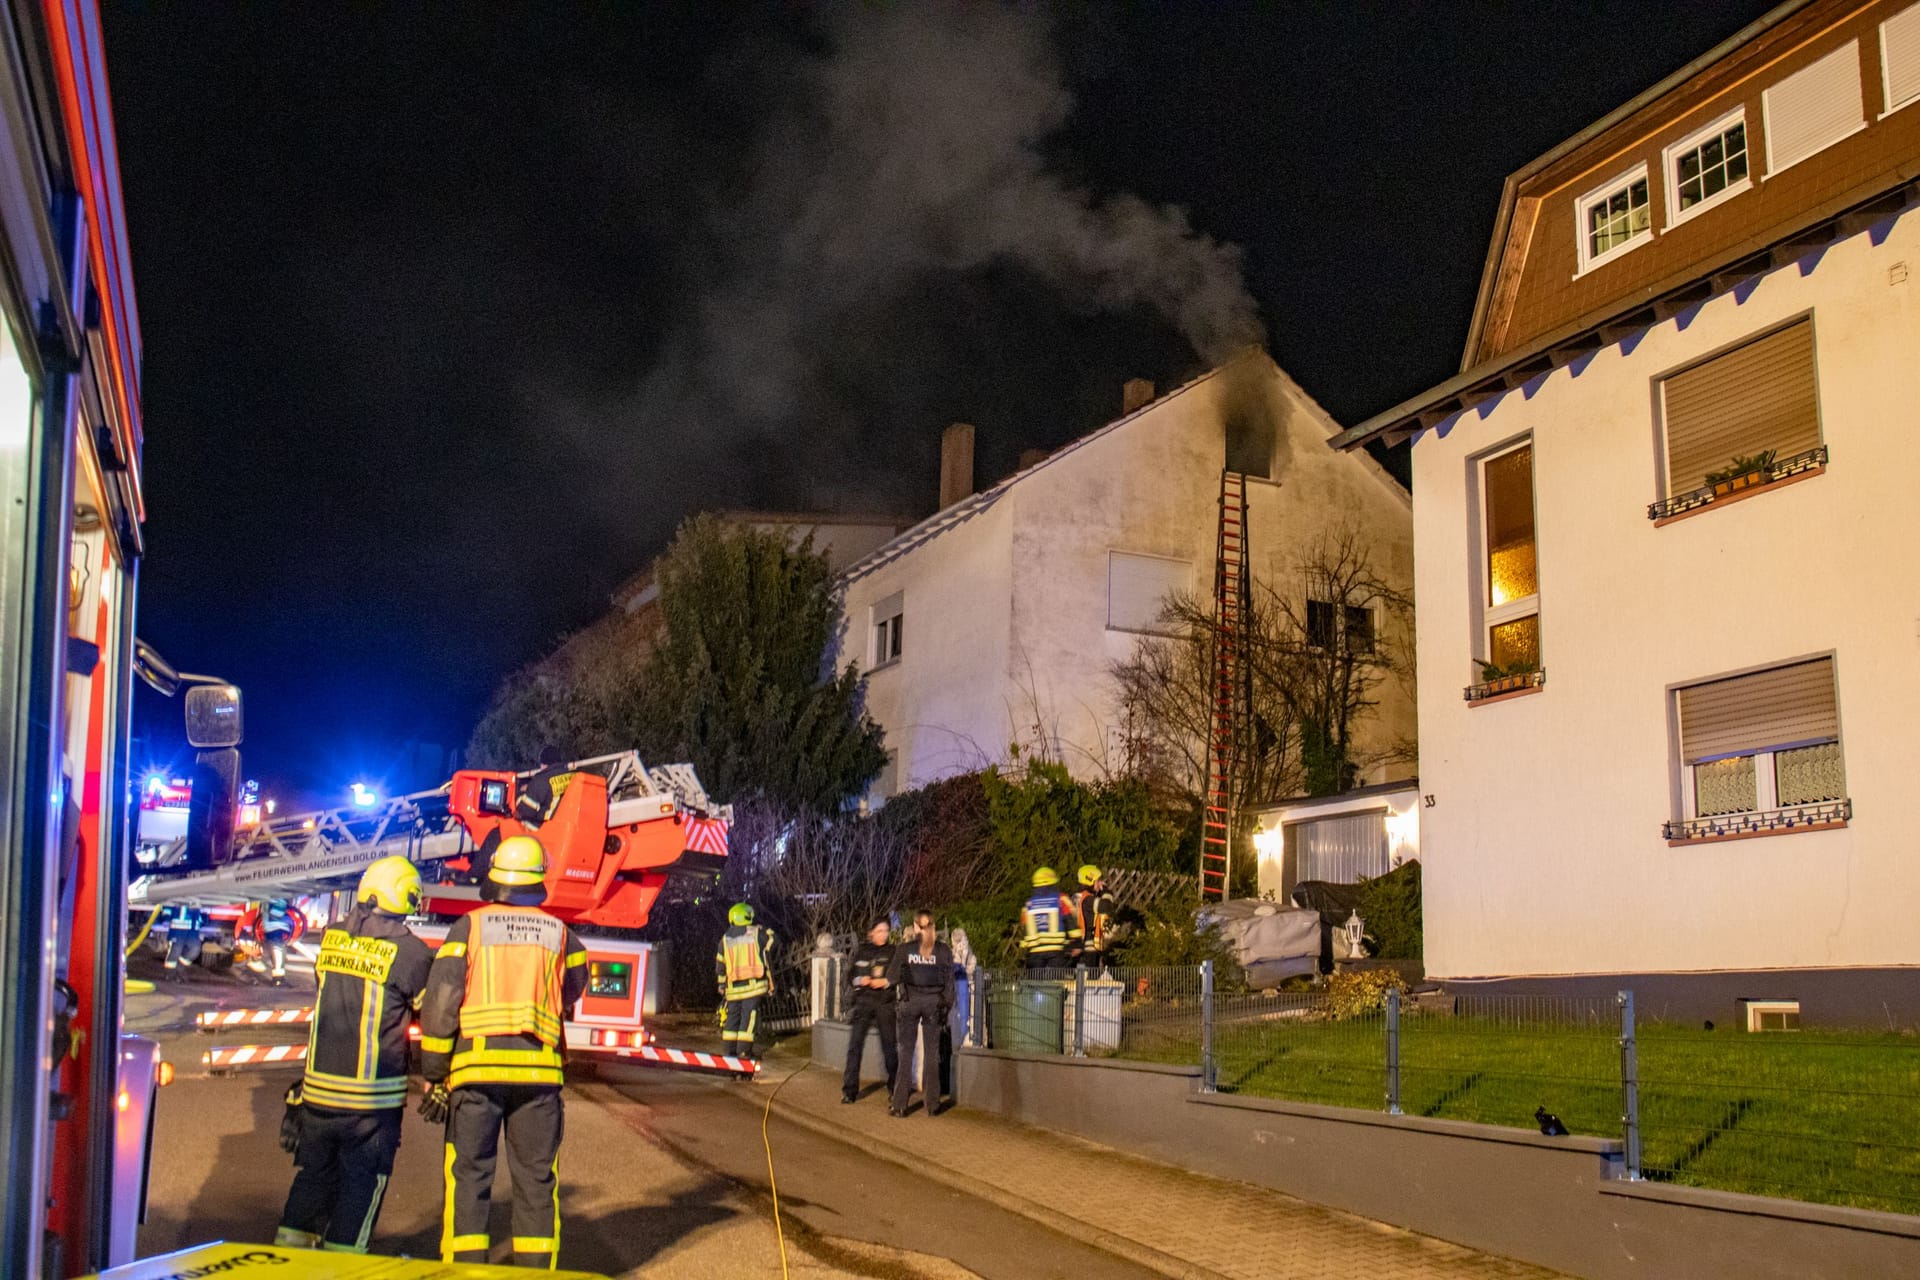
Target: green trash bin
column 1029, row 1017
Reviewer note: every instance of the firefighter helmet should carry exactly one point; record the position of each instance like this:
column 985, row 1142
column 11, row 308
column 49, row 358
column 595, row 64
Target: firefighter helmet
column 1089, row 875
column 1044, row 877
column 391, row 884
column 518, row 863
column 740, row 913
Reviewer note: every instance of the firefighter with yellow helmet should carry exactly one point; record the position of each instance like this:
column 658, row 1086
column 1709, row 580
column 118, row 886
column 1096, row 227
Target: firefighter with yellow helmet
column 1093, row 909
column 1049, row 926
column 343, row 1118
column 740, row 969
column 493, row 1049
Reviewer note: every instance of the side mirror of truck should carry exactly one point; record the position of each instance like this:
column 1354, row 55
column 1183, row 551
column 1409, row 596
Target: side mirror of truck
column 213, row 716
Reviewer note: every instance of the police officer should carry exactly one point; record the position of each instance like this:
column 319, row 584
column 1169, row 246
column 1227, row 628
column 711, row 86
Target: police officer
column 371, row 972
column 923, row 970
column 1093, row 909
column 185, row 923
column 492, row 1046
column 873, row 1006
column 740, row 968
column 1049, row 929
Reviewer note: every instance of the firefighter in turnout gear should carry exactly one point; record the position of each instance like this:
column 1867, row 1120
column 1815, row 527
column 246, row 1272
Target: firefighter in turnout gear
column 493, row 1046
column 740, row 968
column 185, row 923
column 345, row 1113
column 1093, row 909
column 1049, row 927
column 273, row 921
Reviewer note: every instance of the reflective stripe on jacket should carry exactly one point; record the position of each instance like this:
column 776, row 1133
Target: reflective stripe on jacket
column 1047, row 923
column 1094, row 911
column 740, row 965
column 371, row 972
column 496, row 1005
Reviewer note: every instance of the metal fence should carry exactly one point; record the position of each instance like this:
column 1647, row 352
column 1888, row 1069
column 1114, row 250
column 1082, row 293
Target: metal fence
column 1829, row 1116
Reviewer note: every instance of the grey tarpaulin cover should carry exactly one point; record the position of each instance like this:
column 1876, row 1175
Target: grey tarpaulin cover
column 1273, row 942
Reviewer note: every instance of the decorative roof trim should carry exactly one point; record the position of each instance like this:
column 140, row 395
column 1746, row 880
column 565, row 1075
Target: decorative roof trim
column 1680, row 298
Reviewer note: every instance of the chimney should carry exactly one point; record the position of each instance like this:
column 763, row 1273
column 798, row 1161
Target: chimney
column 1136, row 394
column 956, row 463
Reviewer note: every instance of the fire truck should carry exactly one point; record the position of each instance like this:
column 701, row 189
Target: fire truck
column 75, row 1094
column 617, row 835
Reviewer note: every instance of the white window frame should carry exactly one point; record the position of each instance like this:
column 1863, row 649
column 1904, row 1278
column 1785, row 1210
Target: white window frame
column 1670, row 182
column 1887, row 107
column 1493, row 615
column 1605, row 191
column 879, row 656
column 1766, row 782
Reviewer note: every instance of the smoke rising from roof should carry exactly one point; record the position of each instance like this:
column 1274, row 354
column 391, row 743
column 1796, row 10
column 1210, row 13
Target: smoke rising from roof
column 900, row 161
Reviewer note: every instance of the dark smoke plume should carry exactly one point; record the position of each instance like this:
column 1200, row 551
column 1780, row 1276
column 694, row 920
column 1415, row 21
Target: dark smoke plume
column 900, row 158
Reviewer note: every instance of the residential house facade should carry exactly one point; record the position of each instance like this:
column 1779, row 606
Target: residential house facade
column 998, row 620
column 1669, row 619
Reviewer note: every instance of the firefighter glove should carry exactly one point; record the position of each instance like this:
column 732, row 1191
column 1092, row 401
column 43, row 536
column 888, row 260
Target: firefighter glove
column 293, row 1121
column 434, row 1107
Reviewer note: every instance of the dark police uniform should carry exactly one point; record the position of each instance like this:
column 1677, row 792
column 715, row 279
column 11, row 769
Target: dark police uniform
column 371, row 973
column 493, row 1029
column 872, row 1007
column 925, row 983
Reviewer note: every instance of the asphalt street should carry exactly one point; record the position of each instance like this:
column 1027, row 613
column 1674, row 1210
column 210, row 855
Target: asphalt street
column 662, row 1174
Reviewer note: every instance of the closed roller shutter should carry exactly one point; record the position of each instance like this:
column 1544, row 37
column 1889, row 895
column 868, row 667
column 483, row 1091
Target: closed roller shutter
column 1759, row 396
column 1900, row 57
column 1761, row 711
column 1343, row 850
column 1814, row 107
column 1138, row 587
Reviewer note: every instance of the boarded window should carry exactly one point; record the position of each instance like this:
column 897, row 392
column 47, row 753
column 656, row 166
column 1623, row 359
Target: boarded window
column 1772, row 710
column 1343, row 850
column 1137, row 590
column 1757, row 397
column 1814, row 107
column 1900, row 57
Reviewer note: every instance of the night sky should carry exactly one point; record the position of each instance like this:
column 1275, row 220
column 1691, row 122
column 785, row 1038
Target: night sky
column 451, row 313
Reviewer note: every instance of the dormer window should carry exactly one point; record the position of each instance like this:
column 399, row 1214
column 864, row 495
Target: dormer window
column 1706, row 167
column 1614, row 217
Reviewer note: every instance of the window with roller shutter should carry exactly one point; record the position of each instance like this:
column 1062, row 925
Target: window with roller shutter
column 1138, row 587
column 1900, row 60
column 1758, row 398
column 1761, row 749
column 1814, row 108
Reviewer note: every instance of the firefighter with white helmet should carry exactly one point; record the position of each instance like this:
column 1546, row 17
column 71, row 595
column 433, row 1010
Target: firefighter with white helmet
column 493, row 1049
column 741, row 970
column 343, row 1118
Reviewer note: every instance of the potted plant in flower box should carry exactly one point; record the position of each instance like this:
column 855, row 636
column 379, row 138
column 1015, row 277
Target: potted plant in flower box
column 1744, row 472
column 1507, row 679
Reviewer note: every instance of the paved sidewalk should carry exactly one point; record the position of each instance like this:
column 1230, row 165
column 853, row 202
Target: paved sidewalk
column 1180, row 1223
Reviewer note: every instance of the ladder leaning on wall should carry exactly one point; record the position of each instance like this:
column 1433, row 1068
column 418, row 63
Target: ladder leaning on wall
column 1227, row 686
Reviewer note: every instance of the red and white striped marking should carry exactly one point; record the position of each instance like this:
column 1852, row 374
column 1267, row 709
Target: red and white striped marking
column 684, row 1059
column 707, row 835
column 230, row 1058
column 219, row 1019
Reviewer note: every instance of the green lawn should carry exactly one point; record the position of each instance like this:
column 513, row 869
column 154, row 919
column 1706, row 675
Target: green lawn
column 1814, row 1115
